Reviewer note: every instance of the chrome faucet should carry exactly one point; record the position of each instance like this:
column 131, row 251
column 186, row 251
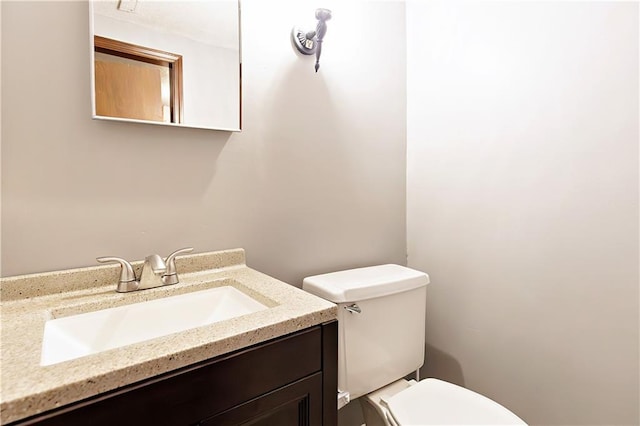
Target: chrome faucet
column 155, row 271
column 152, row 271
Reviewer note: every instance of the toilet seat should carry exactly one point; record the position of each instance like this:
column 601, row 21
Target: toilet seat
column 433, row 401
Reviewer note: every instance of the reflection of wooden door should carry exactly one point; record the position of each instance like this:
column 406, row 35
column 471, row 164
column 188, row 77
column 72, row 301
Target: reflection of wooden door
column 129, row 90
column 137, row 82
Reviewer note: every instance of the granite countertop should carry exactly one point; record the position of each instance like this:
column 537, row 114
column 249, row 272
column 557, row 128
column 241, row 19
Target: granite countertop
column 28, row 301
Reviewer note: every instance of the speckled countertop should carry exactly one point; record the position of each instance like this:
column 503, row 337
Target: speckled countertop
column 28, row 301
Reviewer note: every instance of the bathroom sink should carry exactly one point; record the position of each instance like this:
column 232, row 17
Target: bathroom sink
column 89, row 333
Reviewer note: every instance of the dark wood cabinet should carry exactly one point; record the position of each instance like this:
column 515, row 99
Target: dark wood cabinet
column 291, row 380
column 296, row 404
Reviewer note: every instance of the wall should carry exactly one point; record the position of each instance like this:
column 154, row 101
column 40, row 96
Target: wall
column 523, row 201
column 314, row 182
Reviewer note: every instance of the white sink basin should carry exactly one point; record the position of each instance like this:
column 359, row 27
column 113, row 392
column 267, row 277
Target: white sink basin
column 84, row 334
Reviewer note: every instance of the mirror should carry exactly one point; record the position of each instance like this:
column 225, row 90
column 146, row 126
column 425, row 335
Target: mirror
column 168, row 62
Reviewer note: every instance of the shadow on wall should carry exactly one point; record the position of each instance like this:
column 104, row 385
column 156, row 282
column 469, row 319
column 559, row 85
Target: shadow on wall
column 446, row 366
column 153, row 161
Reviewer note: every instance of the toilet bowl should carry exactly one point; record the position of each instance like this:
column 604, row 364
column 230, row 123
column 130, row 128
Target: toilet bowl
column 378, row 307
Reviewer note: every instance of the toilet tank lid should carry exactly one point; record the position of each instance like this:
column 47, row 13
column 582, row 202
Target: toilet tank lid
column 364, row 283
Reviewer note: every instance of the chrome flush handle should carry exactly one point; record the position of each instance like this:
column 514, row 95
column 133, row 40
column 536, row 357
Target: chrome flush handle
column 354, row 309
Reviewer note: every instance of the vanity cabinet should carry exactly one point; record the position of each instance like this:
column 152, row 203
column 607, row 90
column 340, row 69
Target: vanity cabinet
column 291, row 380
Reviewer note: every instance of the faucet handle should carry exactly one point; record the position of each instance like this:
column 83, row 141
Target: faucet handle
column 171, row 275
column 127, row 276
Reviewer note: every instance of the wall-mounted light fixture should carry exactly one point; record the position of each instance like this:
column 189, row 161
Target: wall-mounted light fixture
column 310, row 42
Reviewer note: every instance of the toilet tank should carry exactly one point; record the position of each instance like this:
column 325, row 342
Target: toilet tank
column 385, row 340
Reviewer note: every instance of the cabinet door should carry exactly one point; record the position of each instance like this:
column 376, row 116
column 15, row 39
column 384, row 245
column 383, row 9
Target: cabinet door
column 298, row 404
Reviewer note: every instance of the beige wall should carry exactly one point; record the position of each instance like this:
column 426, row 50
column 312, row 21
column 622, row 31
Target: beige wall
column 523, row 201
column 315, row 182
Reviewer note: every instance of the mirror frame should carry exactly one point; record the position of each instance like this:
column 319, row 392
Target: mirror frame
column 95, row 116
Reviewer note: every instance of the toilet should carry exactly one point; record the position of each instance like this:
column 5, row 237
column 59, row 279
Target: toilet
column 381, row 339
